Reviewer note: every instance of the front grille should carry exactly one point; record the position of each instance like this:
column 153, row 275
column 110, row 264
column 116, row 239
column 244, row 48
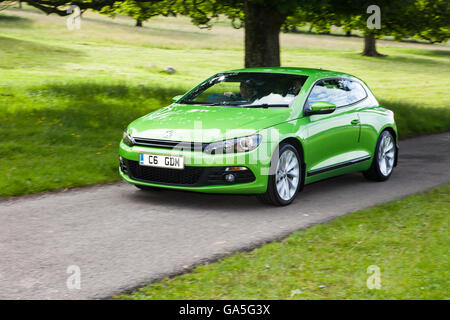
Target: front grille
column 189, row 176
column 166, row 144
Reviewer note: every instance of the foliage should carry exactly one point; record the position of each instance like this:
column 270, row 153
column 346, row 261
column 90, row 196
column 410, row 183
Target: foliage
column 140, row 11
column 7, row 4
column 433, row 20
column 424, row 19
column 421, row 19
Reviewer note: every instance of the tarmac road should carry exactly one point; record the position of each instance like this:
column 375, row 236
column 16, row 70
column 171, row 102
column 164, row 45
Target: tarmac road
column 121, row 238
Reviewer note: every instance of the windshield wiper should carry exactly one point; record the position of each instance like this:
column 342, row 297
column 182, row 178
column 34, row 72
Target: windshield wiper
column 264, row 105
column 201, row 103
column 229, row 104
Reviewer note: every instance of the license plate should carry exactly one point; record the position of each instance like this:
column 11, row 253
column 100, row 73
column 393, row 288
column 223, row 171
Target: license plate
column 154, row 160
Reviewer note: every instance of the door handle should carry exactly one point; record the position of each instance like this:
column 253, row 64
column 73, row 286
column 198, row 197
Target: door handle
column 355, row 122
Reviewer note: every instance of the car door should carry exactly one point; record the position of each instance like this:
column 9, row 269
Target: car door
column 332, row 139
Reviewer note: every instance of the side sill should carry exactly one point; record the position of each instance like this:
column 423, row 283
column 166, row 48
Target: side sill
column 337, row 166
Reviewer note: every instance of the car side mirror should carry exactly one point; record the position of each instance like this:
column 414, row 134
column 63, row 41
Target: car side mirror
column 321, row 107
column 176, row 98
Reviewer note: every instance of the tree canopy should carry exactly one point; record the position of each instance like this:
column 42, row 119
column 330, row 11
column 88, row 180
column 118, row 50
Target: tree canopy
column 263, row 19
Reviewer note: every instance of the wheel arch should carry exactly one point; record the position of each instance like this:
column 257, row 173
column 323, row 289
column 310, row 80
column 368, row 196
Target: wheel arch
column 296, row 143
column 394, row 134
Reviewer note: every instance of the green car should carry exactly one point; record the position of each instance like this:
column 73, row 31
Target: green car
column 262, row 131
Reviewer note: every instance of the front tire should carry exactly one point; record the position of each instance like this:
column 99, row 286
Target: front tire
column 383, row 159
column 284, row 184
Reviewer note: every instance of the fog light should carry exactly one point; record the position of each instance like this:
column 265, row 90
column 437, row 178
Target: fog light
column 230, row 177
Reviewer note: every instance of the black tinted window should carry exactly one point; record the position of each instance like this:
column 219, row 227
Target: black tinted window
column 341, row 92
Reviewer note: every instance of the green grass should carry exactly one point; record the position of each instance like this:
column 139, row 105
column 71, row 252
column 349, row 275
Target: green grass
column 66, row 96
column 407, row 239
column 73, row 140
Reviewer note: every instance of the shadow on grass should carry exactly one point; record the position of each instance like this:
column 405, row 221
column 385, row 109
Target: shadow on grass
column 331, row 34
column 94, row 114
column 353, row 35
column 66, row 135
column 163, row 32
column 414, row 120
column 96, row 106
column 415, row 61
column 25, row 53
column 429, row 53
column 7, row 21
column 93, row 90
column 401, row 57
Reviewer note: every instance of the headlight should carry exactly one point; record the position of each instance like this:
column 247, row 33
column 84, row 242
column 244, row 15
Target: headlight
column 243, row 144
column 128, row 139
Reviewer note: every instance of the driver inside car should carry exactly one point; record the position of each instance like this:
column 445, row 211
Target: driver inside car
column 247, row 92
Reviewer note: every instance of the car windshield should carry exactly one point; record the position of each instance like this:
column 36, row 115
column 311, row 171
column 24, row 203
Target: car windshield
column 247, row 89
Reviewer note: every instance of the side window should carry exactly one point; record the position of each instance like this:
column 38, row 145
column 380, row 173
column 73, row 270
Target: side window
column 356, row 93
column 341, row 92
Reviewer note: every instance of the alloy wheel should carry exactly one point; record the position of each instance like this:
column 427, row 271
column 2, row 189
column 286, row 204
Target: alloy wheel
column 287, row 175
column 386, row 154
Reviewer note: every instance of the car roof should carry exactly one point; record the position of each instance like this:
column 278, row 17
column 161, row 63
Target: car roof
column 315, row 73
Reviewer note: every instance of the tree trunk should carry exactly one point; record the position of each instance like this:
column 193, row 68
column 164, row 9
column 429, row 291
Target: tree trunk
column 348, row 33
column 370, row 48
column 262, row 35
column 138, row 23
column 20, row 4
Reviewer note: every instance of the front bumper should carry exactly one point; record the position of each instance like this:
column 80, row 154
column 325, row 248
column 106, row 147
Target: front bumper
column 202, row 173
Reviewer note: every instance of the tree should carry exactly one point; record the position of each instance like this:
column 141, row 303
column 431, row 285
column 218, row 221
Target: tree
column 263, row 19
column 379, row 18
column 6, row 4
column 138, row 10
column 394, row 19
column 319, row 18
column 422, row 19
column 433, row 20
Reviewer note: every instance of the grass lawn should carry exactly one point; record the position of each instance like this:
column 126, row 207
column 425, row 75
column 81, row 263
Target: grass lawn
column 66, row 96
column 406, row 239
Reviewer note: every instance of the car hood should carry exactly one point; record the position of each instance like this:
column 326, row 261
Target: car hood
column 198, row 123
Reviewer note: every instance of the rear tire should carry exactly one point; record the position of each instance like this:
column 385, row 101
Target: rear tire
column 284, row 184
column 383, row 159
column 147, row 188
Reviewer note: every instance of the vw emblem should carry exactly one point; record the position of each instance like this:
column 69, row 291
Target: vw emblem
column 168, row 133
